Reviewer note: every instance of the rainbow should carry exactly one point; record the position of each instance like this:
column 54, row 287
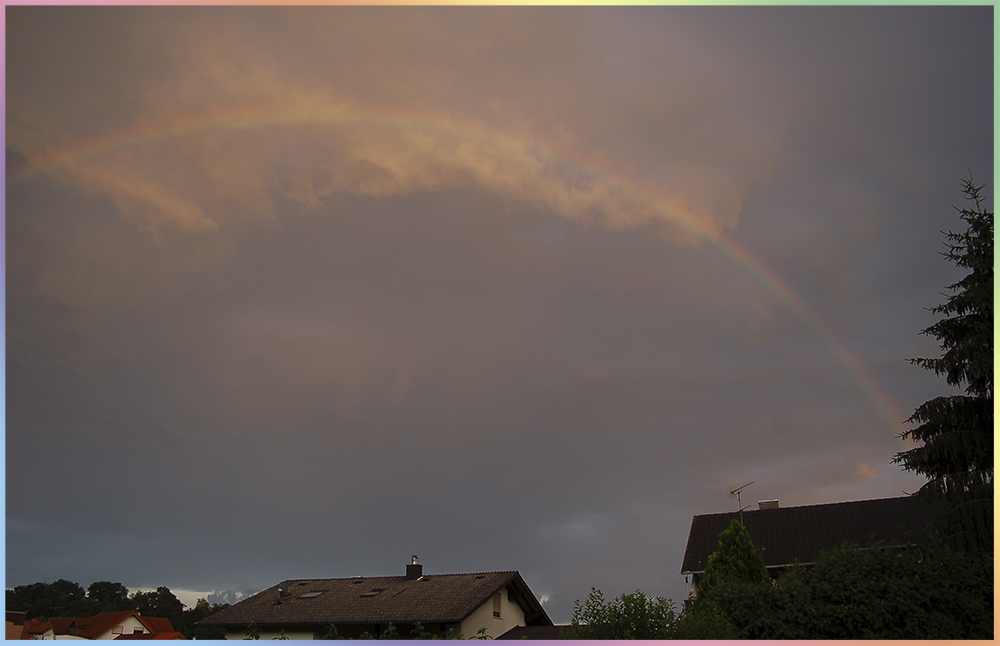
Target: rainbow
column 755, row 267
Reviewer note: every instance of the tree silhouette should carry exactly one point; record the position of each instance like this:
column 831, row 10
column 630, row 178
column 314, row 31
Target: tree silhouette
column 956, row 431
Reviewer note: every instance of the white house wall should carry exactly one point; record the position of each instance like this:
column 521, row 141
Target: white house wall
column 510, row 615
column 268, row 634
column 127, row 627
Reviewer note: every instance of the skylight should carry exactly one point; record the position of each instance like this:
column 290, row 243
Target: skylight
column 311, row 595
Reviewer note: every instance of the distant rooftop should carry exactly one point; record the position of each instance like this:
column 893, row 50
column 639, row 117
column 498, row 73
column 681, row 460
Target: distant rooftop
column 433, row 598
column 786, row 535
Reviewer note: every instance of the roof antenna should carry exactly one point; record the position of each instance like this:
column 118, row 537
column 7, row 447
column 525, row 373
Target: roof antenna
column 735, row 493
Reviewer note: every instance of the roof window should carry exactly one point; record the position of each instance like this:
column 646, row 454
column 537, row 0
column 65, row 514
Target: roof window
column 374, row 592
column 311, row 595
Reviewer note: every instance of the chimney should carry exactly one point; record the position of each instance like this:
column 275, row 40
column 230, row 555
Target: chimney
column 767, row 504
column 282, row 590
column 413, row 569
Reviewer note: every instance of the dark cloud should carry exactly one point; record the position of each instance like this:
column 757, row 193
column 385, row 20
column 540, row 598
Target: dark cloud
column 301, row 291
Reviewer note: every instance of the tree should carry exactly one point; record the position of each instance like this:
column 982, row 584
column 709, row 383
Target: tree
column 160, row 603
column 106, row 596
column 630, row 616
column 929, row 591
column 252, row 632
column 736, row 593
column 191, row 616
column 956, row 432
column 736, row 560
column 45, row 600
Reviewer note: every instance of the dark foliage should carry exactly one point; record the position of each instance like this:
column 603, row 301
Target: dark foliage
column 159, row 603
column 956, row 432
column 67, row 599
column 736, row 593
column 46, row 600
column 924, row 592
column 930, row 591
column 630, row 616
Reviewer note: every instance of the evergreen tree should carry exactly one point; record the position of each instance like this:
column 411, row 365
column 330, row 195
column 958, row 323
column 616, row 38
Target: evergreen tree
column 737, row 559
column 736, row 591
column 956, row 432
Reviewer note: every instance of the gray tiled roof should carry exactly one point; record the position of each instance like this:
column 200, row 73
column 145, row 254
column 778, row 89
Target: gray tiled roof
column 536, row 633
column 798, row 534
column 431, row 599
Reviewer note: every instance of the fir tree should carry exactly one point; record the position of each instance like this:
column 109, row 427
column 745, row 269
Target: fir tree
column 956, row 432
column 736, row 591
column 737, row 559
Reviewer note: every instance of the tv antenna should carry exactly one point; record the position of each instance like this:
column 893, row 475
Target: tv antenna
column 734, row 492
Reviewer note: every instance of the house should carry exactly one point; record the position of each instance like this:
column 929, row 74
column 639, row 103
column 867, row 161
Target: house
column 107, row 625
column 36, row 629
column 442, row 604
column 787, row 536
column 14, row 625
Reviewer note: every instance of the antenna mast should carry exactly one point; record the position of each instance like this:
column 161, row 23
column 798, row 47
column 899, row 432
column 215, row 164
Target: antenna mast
column 734, row 492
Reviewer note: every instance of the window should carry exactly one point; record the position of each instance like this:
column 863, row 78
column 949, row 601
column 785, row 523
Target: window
column 311, row 595
column 496, row 605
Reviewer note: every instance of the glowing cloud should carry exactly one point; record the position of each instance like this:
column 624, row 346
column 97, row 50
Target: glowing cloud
column 384, row 153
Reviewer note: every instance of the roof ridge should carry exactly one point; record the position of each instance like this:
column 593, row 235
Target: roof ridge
column 394, row 576
column 815, row 504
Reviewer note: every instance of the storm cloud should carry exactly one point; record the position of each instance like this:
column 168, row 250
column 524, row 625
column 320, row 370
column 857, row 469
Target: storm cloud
column 302, row 291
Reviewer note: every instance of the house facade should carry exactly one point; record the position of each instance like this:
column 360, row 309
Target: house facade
column 489, row 603
column 107, row 625
column 786, row 536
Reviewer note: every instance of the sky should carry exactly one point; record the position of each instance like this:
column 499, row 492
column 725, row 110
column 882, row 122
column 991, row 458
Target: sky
column 298, row 292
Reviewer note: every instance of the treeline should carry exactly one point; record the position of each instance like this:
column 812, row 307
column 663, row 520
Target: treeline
column 64, row 598
column 929, row 591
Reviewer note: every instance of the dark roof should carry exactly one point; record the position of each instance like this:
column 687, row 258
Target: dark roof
column 536, row 633
column 798, row 534
column 431, row 599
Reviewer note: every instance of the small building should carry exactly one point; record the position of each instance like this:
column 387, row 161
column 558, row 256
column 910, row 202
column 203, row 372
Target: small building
column 786, row 536
column 106, row 625
column 490, row 603
column 14, row 625
column 36, row 629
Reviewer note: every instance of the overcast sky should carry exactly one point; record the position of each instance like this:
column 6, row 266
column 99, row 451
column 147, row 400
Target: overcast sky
column 300, row 292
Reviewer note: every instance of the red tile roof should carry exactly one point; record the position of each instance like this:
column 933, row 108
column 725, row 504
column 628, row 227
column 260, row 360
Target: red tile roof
column 157, row 624
column 34, row 627
column 101, row 624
